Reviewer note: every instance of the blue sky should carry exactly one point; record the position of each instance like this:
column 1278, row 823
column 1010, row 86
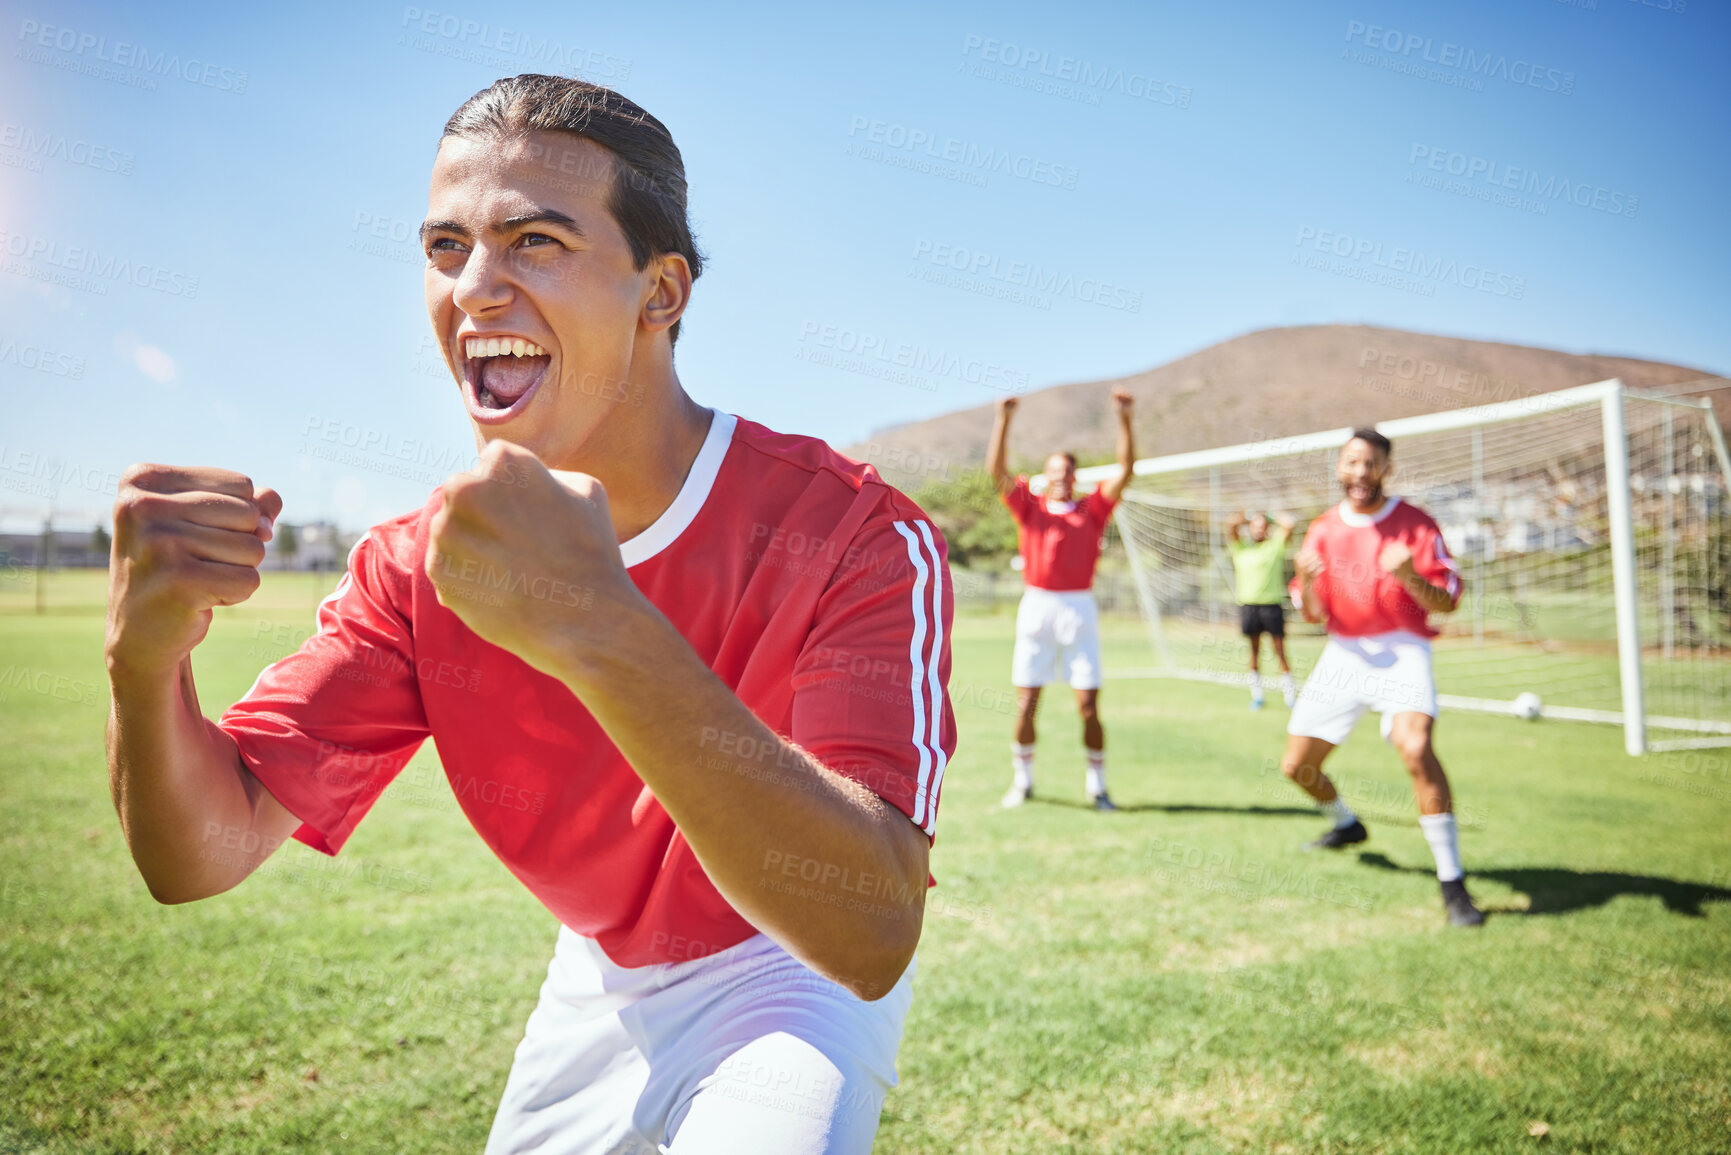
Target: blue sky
column 1018, row 196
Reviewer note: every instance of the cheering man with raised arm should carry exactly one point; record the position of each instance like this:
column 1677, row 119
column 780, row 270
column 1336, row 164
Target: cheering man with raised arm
column 1058, row 624
column 1375, row 568
column 660, row 645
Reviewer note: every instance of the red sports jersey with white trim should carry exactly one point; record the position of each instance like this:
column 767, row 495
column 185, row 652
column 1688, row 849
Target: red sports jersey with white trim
column 1359, row 597
column 1060, row 546
column 816, row 591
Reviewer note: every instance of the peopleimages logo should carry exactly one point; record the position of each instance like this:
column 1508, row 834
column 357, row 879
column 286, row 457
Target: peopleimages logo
column 59, row 146
column 90, row 49
column 1400, row 267
column 874, row 136
column 462, row 38
column 1026, row 67
column 28, row 356
column 1028, row 276
column 1486, row 177
column 90, row 268
column 1401, row 46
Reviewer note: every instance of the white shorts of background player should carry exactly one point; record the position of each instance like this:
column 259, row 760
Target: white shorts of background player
column 1389, row 673
column 1057, row 628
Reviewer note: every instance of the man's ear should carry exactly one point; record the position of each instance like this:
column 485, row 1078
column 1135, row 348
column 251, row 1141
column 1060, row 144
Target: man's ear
column 669, row 291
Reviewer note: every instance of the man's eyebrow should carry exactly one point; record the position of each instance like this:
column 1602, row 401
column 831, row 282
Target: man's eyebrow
column 430, row 227
column 542, row 216
column 509, row 224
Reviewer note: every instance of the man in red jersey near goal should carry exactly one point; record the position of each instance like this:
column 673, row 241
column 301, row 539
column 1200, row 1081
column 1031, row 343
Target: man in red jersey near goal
column 1374, row 568
column 655, row 658
column 1058, row 623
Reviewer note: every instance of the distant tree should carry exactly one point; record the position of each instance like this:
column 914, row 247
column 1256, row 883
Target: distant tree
column 100, row 541
column 287, row 542
column 975, row 522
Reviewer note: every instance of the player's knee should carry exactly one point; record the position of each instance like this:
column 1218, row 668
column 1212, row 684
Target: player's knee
column 1414, row 750
column 1302, row 773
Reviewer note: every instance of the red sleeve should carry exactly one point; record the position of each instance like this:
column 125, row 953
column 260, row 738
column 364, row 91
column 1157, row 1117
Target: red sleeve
column 871, row 687
column 1102, row 506
column 1433, row 562
column 1020, row 499
column 327, row 728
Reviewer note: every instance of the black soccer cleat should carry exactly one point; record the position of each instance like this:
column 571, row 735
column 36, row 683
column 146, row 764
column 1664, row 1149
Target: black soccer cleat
column 1459, row 904
column 1340, row 836
column 1101, row 801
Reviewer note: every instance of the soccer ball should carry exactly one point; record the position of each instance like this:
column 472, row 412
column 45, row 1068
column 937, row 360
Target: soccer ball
column 1528, row 706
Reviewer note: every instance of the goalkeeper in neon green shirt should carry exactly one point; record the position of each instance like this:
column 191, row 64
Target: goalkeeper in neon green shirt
column 1259, row 563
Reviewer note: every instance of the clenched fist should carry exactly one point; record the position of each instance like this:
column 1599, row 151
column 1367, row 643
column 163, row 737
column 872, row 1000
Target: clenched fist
column 1395, row 559
column 529, row 560
column 1309, row 564
column 185, row 540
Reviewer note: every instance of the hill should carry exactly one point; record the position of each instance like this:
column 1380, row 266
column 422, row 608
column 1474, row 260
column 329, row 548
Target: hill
column 1269, row 383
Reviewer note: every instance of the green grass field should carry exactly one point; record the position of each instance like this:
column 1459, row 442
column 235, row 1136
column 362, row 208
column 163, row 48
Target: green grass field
column 1174, row 977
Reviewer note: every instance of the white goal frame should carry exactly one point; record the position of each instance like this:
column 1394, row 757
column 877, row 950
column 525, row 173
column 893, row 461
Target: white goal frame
column 1608, row 396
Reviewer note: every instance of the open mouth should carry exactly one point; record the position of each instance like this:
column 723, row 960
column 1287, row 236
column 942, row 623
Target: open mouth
column 501, row 372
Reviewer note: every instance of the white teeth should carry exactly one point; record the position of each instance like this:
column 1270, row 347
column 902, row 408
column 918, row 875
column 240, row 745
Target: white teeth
column 501, row 347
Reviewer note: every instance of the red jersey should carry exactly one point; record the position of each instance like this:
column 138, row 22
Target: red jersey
column 817, row 592
column 1060, row 541
column 1358, row 596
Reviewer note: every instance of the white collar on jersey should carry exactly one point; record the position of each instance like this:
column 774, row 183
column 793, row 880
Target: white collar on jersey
column 673, row 520
column 1360, row 520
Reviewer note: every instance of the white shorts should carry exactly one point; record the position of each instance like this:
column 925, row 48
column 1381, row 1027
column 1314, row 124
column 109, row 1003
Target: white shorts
column 1389, row 673
column 746, row 1050
column 1053, row 628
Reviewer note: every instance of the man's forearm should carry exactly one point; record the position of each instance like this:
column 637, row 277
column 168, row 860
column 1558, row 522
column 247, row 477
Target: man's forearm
column 175, row 778
column 1432, row 598
column 998, row 450
column 819, row 863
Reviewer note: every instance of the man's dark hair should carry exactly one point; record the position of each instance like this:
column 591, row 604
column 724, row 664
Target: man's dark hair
column 648, row 198
column 1070, row 457
column 1372, row 438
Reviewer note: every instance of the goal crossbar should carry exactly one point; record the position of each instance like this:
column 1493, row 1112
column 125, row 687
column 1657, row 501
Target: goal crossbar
column 1534, row 405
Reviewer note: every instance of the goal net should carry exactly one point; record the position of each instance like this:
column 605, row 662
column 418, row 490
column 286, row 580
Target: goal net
column 1591, row 527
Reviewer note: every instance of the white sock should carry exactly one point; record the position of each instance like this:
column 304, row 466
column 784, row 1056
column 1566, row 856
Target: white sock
column 1439, row 831
column 1337, row 812
column 1022, row 762
column 1096, row 773
column 1286, row 683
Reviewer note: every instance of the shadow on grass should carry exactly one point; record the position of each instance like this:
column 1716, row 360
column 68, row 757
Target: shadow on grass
column 1558, row 890
column 1181, row 808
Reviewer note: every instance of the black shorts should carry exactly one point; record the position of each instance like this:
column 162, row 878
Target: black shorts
column 1263, row 620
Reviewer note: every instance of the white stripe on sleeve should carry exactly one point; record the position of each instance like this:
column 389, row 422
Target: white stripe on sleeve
column 935, row 715
column 916, row 658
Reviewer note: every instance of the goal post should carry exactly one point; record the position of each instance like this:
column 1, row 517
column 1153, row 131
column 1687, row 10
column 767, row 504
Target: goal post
column 1591, row 525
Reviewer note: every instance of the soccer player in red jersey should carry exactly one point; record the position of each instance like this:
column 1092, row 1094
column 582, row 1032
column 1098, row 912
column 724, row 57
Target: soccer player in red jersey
column 1058, row 623
column 1375, row 568
column 691, row 690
